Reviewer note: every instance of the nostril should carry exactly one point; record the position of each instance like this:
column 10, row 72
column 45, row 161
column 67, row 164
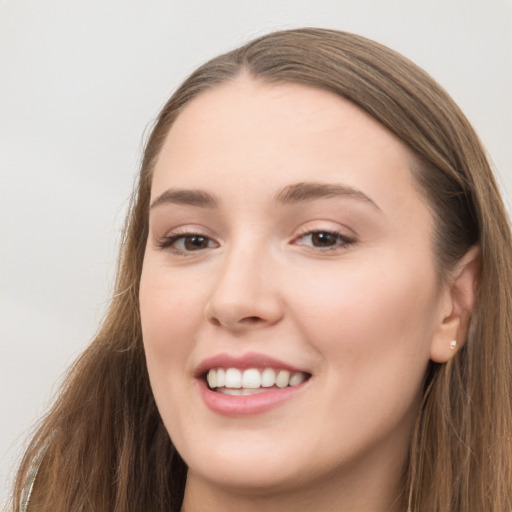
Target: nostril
column 251, row 320
column 237, row 323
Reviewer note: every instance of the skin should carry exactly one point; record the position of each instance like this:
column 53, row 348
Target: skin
column 362, row 315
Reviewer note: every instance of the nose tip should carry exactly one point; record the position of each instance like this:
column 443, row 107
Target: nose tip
column 243, row 316
column 234, row 319
column 244, row 297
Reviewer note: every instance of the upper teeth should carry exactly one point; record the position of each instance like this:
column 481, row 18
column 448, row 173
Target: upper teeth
column 253, row 378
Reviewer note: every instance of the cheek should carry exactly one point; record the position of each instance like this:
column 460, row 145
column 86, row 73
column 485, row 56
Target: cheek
column 171, row 311
column 370, row 317
column 170, row 306
column 372, row 330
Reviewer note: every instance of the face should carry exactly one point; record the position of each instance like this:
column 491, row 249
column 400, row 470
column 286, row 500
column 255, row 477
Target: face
column 289, row 261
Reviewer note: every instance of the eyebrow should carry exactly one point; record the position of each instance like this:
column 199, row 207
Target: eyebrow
column 296, row 193
column 197, row 198
column 300, row 192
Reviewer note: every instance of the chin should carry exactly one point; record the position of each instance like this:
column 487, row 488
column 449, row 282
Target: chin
column 250, row 470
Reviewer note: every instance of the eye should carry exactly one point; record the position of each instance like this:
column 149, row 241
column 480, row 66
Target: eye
column 327, row 240
column 184, row 243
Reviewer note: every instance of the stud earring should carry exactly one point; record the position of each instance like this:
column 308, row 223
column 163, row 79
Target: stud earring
column 453, row 344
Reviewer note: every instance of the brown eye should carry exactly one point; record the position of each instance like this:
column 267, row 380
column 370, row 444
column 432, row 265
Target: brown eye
column 183, row 244
column 324, row 239
column 195, row 242
column 327, row 240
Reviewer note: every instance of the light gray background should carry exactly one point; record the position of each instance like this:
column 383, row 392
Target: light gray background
column 79, row 83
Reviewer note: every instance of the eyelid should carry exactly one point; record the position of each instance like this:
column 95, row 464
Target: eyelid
column 166, row 242
column 169, row 240
column 344, row 240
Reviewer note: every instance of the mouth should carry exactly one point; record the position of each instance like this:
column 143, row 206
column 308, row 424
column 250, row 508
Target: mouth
column 251, row 381
column 248, row 384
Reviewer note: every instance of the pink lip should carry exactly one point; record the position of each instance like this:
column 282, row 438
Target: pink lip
column 243, row 362
column 228, row 405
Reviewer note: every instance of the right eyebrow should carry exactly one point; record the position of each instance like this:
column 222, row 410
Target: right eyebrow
column 187, row 197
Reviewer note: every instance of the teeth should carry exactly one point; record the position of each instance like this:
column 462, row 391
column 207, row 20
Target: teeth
column 221, row 378
column 282, row 379
column 212, row 379
column 232, row 381
column 240, row 392
column 233, row 378
column 268, row 377
column 295, row 378
column 251, row 379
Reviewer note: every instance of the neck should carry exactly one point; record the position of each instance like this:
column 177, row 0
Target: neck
column 378, row 489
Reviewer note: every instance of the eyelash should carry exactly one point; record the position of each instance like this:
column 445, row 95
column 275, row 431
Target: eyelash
column 168, row 242
column 342, row 241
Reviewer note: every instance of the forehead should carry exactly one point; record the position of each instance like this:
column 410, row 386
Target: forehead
column 284, row 111
column 279, row 133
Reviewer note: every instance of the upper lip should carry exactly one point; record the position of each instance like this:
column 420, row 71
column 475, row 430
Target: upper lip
column 242, row 362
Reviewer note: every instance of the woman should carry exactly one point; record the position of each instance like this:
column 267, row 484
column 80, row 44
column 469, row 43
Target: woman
column 312, row 305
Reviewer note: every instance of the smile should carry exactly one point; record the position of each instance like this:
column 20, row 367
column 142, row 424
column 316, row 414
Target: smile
column 239, row 382
column 248, row 384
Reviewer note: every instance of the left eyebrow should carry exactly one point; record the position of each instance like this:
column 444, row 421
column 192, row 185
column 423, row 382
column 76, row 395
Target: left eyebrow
column 300, row 192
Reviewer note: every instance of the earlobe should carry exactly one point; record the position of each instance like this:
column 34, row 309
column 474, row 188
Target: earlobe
column 461, row 295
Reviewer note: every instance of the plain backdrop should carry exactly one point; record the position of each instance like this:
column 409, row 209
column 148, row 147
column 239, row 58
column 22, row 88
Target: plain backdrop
column 80, row 82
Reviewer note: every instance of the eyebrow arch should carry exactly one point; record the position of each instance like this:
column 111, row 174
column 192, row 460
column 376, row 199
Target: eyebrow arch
column 197, row 198
column 310, row 191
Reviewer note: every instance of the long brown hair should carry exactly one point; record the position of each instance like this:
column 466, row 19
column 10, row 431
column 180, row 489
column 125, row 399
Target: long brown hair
column 103, row 445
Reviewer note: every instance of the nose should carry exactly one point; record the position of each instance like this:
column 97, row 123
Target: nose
column 246, row 294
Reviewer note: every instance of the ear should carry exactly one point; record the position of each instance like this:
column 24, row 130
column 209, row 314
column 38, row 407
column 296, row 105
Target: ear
column 458, row 303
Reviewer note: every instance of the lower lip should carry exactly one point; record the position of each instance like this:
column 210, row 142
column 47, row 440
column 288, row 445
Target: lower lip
column 246, row 405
